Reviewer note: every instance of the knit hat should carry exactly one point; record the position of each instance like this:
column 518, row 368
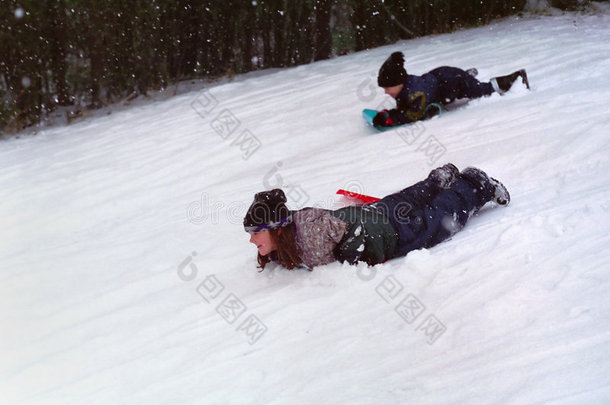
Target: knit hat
column 392, row 72
column 268, row 211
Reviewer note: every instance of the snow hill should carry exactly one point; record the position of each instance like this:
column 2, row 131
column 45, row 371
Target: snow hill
column 126, row 276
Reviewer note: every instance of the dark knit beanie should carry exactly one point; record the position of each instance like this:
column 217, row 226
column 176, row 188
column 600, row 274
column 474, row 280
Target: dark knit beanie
column 268, row 211
column 392, row 72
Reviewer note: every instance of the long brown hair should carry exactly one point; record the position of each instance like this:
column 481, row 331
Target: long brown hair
column 286, row 253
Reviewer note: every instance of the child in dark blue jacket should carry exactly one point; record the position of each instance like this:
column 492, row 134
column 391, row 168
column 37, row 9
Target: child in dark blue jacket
column 419, row 97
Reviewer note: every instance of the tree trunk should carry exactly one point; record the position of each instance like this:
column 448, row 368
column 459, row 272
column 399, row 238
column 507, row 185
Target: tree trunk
column 323, row 38
column 58, row 41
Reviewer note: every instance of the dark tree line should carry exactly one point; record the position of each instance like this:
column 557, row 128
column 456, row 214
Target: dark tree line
column 89, row 53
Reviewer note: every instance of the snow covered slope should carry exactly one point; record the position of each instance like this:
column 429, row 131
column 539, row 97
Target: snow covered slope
column 126, row 276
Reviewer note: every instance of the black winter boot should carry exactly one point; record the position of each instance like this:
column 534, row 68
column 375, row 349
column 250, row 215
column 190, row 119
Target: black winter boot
column 444, row 175
column 472, row 72
column 500, row 196
column 502, row 84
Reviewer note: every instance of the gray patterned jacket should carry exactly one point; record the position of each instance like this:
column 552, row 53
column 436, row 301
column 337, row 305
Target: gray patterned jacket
column 317, row 234
column 352, row 234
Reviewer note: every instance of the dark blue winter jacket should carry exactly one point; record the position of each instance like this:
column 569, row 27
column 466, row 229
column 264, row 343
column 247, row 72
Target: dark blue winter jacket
column 441, row 85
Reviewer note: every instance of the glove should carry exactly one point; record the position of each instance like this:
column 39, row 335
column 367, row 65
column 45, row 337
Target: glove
column 382, row 119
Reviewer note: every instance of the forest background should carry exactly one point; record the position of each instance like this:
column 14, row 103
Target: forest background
column 87, row 54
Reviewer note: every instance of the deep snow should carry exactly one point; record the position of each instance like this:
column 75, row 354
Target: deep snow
column 127, row 277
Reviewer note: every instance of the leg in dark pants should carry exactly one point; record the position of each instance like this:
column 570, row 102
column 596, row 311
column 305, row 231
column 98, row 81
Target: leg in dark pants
column 450, row 209
column 455, row 83
column 400, row 205
column 472, row 88
column 425, row 214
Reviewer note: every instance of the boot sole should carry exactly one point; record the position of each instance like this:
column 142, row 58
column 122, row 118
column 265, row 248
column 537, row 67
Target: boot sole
column 504, row 199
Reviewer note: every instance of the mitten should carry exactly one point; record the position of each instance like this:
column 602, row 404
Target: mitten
column 382, row 119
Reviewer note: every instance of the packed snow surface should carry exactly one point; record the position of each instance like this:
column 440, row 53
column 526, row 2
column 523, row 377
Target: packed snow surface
column 126, row 276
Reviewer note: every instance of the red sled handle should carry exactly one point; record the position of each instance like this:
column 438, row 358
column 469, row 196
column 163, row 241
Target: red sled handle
column 366, row 199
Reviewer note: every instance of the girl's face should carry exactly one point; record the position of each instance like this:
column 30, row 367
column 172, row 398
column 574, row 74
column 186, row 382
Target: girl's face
column 263, row 242
column 393, row 91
